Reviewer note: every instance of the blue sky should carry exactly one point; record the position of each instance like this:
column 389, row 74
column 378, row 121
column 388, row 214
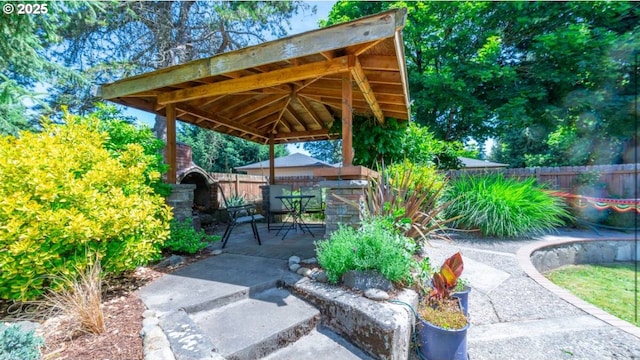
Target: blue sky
column 304, row 21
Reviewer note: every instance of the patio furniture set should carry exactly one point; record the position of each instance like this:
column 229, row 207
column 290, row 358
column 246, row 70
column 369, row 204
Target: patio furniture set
column 285, row 203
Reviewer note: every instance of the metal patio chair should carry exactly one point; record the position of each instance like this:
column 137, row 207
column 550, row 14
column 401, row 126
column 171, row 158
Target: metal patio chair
column 241, row 214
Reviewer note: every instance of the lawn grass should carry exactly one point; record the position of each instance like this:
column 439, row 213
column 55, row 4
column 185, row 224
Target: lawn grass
column 608, row 286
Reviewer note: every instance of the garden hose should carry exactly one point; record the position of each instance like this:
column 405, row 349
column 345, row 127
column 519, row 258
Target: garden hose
column 415, row 332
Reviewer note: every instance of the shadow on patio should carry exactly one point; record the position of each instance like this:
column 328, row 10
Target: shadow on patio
column 273, row 246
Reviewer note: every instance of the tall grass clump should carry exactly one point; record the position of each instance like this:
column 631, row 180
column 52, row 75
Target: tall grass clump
column 79, row 300
column 409, row 195
column 503, row 207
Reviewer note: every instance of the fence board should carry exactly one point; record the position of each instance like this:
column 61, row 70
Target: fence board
column 248, row 186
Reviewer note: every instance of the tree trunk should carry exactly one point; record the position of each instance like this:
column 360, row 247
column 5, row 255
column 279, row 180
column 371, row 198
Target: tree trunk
column 160, row 128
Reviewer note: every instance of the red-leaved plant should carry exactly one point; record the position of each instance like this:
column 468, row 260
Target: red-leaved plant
column 445, row 280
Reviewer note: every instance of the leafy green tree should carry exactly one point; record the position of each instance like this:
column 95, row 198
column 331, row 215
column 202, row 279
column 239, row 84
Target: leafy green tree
column 215, row 152
column 376, row 145
column 329, row 151
column 122, row 132
column 25, row 61
column 519, row 71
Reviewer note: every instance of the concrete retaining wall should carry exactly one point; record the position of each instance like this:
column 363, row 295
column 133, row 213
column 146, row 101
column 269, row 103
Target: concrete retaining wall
column 583, row 252
column 382, row 329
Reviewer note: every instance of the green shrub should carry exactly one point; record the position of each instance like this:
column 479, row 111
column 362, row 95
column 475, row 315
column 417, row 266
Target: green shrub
column 420, row 176
column 64, row 199
column 374, row 246
column 121, row 134
column 184, row 239
column 16, row 343
column 503, row 207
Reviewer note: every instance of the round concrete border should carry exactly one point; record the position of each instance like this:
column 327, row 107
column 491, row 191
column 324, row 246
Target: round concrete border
column 524, row 259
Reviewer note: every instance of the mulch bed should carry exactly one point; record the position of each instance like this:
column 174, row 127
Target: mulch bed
column 122, row 316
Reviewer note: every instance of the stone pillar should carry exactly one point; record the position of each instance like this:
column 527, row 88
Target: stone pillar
column 339, row 212
column 265, row 200
column 181, row 200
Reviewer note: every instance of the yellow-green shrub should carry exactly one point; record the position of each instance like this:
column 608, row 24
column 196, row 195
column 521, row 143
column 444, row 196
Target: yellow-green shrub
column 64, row 199
column 420, row 176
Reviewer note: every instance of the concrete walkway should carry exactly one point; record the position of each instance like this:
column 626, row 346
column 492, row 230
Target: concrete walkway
column 513, row 317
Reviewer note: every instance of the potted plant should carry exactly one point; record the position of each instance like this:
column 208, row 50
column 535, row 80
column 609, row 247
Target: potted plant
column 461, row 291
column 443, row 323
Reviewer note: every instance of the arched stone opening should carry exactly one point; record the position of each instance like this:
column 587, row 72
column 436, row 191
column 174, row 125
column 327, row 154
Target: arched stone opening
column 202, row 193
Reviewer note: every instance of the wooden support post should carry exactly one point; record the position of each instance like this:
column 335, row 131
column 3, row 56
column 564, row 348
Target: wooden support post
column 171, row 144
column 272, row 161
column 347, row 120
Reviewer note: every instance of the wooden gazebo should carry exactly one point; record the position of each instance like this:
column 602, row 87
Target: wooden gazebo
column 287, row 90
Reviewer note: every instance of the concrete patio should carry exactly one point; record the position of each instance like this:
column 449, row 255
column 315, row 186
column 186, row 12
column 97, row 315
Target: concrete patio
column 512, row 315
column 273, row 246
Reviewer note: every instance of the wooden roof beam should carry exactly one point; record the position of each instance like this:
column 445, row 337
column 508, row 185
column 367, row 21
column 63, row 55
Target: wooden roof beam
column 367, row 29
column 220, row 120
column 280, row 115
column 258, row 81
column 379, row 62
column 399, row 44
column 292, row 119
column 252, row 107
column 367, row 91
column 307, row 107
column 303, row 134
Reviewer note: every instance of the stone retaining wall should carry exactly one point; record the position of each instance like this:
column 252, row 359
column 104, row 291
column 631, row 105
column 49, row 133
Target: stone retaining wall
column 583, row 252
column 382, row 329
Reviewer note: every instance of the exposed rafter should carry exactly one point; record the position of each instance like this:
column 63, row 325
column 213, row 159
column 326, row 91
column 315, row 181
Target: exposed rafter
column 284, row 87
column 258, row 81
column 367, row 91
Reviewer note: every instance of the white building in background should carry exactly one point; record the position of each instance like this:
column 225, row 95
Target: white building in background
column 291, row 165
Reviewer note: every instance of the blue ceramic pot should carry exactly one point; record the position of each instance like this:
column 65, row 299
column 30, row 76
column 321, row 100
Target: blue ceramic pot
column 463, row 295
column 437, row 343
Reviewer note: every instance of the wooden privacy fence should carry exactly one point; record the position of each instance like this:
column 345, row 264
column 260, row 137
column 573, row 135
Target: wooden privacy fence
column 244, row 185
column 248, row 186
column 601, row 180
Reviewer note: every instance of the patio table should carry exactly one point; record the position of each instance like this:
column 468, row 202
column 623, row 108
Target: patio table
column 295, row 206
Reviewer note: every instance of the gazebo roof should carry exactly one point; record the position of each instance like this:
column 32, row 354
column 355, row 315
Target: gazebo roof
column 289, row 88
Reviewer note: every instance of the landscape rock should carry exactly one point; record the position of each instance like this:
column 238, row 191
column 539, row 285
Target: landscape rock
column 311, row 260
column 294, row 260
column 216, row 252
column 376, row 294
column 294, row 267
column 363, row 280
column 322, row 277
column 172, row 260
column 304, row 271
